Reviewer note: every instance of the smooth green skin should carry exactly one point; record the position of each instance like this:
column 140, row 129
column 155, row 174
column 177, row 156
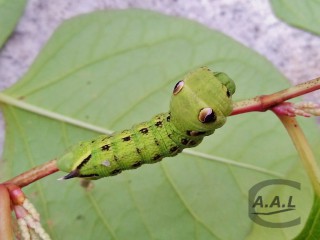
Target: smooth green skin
column 165, row 135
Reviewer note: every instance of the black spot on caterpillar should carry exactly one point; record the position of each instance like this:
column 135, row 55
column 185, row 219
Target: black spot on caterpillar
column 157, row 142
column 168, row 118
column 174, row 149
column 159, row 124
column 157, row 157
column 127, row 138
column 89, row 175
column 200, row 103
column 144, row 130
column 115, row 172
column 184, row 141
column 228, row 93
column 105, row 147
column 136, row 164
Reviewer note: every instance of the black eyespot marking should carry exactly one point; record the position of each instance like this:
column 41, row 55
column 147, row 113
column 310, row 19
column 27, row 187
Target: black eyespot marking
column 156, row 157
column 105, row 147
column 159, row 124
column 127, row 138
column 115, row 172
column 184, row 141
column 84, row 161
column 194, row 133
column 156, row 142
column 144, row 130
column 173, row 149
column 207, row 115
column 93, row 141
column 178, row 87
column 138, row 150
column 115, row 158
column 136, row 164
column 228, row 93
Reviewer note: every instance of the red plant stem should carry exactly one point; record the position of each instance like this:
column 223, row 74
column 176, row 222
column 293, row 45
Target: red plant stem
column 265, row 102
column 16, row 195
column 34, row 174
column 5, row 214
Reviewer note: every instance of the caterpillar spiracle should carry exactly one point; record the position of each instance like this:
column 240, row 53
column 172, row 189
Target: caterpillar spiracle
column 200, row 104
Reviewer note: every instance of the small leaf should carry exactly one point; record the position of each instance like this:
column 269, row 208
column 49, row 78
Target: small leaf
column 301, row 14
column 10, row 12
column 116, row 68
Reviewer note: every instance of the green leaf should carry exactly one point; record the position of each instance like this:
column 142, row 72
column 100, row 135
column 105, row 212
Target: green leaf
column 115, row 68
column 10, row 12
column 311, row 230
column 301, row 14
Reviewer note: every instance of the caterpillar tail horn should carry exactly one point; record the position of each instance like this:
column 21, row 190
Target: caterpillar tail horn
column 72, row 174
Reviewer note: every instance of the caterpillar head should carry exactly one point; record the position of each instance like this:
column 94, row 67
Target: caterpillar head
column 201, row 102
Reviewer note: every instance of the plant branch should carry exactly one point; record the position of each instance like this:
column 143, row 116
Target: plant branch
column 265, row 102
column 34, row 174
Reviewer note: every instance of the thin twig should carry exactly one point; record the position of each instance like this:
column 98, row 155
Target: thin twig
column 265, row 102
column 35, row 174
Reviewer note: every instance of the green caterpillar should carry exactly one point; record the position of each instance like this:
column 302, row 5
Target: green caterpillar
column 200, row 104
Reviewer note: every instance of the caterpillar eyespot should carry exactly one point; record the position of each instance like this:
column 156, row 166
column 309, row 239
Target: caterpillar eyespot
column 207, row 115
column 165, row 135
column 178, row 87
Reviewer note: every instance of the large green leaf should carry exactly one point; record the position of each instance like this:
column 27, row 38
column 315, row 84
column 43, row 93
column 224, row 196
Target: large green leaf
column 301, row 14
column 10, row 12
column 116, row 68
